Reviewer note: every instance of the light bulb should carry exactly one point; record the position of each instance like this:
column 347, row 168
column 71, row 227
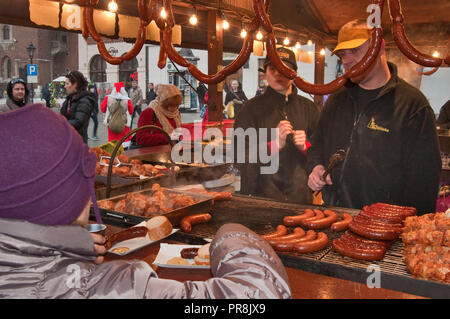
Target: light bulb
column 322, row 52
column 436, row 54
column 193, row 19
column 298, row 45
column 259, row 36
column 225, row 25
column 163, row 13
column 310, row 42
column 286, row 41
column 243, row 33
column 112, row 6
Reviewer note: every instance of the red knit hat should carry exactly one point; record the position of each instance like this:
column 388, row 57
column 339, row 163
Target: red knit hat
column 46, row 171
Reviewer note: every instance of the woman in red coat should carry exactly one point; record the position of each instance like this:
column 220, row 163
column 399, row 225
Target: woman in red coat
column 118, row 95
column 162, row 112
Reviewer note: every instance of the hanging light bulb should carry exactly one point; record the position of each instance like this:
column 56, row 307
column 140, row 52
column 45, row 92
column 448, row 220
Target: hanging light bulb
column 310, row 42
column 225, row 24
column 298, row 45
column 193, row 19
column 112, row 6
column 322, row 52
column 243, row 33
column 286, row 41
column 259, row 36
column 436, row 54
column 163, row 13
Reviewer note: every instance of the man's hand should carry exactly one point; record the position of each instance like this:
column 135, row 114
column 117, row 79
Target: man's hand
column 300, row 140
column 316, row 181
column 99, row 247
column 284, row 129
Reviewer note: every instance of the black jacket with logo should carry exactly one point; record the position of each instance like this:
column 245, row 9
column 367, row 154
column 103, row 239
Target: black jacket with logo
column 82, row 105
column 392, row 148
column 265, row 112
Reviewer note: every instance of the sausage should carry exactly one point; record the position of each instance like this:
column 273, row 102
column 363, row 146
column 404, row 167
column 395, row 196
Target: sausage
column 314, row 245
column 288, row 245
column 381, row 217
column 394, row 208
column 364, row 242
column 298, row 233
column 323, row 222
column 357, row 252
column 402, row 42
column 188, row 253
column 318, row 214
column 296, row 220
column 281, row 230
column 222, row 195
column 130, row 233
column 342, row 224
column 320, row 89
column 187, row 222
column 373, row 232
column 370, row 221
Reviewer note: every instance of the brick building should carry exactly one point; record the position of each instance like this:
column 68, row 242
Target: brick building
column 56, row 53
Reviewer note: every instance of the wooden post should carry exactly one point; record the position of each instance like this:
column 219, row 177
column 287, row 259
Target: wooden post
column 319, row 72
column 215, row 60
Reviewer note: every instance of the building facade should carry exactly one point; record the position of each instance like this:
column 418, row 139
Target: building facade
column 56, row 54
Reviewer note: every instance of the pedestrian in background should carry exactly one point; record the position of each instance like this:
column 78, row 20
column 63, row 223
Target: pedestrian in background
column 151, row 94
column 79, row 104
column 45, row 93
column 18, row 95
column 92, row 88
column 137, row 99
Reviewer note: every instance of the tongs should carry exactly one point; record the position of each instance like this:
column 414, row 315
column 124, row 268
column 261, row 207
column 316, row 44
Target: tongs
column 335, row 159
column 119, row 163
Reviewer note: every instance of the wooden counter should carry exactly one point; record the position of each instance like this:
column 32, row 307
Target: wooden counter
column 304, row 285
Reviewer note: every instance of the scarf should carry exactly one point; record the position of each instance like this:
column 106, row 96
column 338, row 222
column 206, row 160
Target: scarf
column 163, row 114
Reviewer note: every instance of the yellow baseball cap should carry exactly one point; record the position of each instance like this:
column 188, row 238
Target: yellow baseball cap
column 352, row 35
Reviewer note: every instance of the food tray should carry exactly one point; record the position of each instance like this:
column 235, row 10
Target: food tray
column 203, row 203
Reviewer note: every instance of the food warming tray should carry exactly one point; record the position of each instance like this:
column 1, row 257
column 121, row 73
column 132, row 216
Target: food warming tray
column 203, row 203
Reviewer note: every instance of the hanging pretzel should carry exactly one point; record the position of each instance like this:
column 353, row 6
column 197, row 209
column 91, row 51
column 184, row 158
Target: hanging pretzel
column 404, row 45
column 167, row 50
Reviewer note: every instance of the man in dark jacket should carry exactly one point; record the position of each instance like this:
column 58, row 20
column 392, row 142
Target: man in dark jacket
column 295, row 117
column 388, row 131
column 79, row 104
column 443, row 121
column 151, row 94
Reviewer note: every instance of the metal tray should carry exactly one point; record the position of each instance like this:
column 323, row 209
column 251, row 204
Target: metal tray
column 203, row 203
column 263, row 216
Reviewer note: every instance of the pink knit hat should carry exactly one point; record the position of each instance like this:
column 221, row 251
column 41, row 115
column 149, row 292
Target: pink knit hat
column 46, row 171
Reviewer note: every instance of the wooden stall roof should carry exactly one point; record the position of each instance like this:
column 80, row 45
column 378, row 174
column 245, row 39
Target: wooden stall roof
column 426, row 22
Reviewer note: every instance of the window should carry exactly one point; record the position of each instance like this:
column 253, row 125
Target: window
column 97, row 69
column 6, row 32
column 6, row 66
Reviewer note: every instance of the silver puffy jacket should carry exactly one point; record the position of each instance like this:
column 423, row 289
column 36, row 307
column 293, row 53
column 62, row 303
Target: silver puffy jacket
column 56, row 262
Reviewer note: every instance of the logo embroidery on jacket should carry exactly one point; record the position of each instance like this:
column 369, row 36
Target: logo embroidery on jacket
column 373, row 126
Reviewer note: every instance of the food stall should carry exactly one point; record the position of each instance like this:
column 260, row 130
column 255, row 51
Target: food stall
column 322, row 271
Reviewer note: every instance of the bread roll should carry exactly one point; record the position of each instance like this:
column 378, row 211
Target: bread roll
column 202, row 257
column 178, row 261
column 158, row 227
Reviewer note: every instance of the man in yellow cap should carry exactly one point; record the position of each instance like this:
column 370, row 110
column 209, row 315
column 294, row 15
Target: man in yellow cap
column 387, row 128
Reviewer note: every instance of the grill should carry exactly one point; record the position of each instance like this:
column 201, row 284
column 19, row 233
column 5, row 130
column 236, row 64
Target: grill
column 262, row 216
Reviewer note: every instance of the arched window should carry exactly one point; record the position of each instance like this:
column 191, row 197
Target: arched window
column 97, row 69
column 126, row 69
column 6, row 67
column 6, row 32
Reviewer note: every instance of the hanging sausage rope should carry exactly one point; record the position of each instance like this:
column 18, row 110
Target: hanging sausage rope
column 148, row 11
